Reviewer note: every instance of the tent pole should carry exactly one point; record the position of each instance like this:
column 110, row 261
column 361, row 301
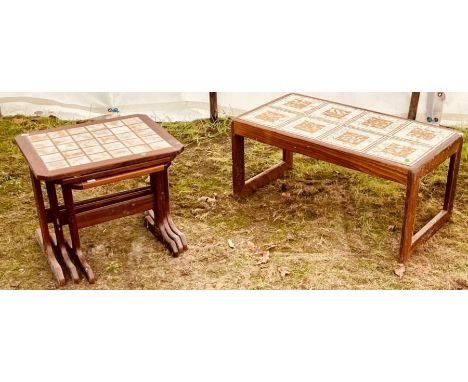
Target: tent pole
column 413, row 108
column 213, row 106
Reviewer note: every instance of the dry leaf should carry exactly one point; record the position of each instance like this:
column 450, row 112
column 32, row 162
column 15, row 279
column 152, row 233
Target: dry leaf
column 400, row 270
column 283, row 271
column 265, row 258
column 252, row 246
column 286, row 194
column 15, row 283
column 391, row 228
column 207, row 199
column 230, row 243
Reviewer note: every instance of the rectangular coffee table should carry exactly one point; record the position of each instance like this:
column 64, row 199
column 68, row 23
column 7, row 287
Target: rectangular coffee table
column 388, row 147
column 94, row 154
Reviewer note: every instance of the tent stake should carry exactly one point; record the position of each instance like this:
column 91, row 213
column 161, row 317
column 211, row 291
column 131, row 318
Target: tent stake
column 413, row 108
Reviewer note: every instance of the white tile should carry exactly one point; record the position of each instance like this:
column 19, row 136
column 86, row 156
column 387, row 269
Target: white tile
column 120, row 153
column 76, row 130
column 42, row 144
column 93, row 149
column 131, row 121
column 114, row 124
column 67, row 146
column 82, row 137
column 56, row 165
column 88, row 143
column 120, row 129
column 132, row 142
column 51, row 157
column 62, row 140
column 73, row 153
column 78, row 161
column 99, row 157
column 47, row 150
column 159, row 145
column 140, row 149
column 93, row 128
column 57, row 134
column 114, row 146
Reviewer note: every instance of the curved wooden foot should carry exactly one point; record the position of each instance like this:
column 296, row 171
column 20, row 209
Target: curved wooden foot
column 165, row 235
column 54, row 265
column 83, row 264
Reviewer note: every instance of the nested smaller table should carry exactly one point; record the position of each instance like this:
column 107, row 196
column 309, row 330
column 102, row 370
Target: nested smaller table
column 389, row 147
column 93, row 154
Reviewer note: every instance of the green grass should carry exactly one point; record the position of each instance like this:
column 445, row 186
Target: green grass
column 328, row 226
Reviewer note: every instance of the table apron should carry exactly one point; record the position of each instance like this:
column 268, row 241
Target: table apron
column 353, row 161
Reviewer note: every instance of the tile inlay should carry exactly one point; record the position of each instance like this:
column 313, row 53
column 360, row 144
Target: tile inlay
column 75, row 146
column 379, row 135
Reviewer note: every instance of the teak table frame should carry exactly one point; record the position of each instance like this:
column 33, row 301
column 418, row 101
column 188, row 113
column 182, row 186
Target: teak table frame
column 410, row 176
column 66, row 256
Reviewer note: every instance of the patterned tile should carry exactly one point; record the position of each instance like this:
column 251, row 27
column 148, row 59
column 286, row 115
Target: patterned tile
column 356, row 140
column 424, row 134
column 309, row 127
column 397, row 151
column 336, row 113
column 377, row 123
column 297, row 103
column 270, row 117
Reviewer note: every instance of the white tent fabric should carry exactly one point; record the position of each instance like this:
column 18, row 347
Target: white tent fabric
column 190, row 106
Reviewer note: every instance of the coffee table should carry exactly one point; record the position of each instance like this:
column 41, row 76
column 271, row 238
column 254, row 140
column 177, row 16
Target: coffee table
column 93, row 154
column 378, row 144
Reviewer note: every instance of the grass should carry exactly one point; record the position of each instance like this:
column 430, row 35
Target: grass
column 326, row 225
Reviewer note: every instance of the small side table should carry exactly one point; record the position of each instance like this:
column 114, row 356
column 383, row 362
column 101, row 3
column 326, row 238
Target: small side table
column 94, row 154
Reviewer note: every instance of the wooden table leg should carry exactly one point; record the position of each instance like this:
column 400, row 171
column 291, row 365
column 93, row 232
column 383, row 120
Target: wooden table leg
column 54, row 207
column 44, row 232
column 74, row 234
column 165, row 181
column 240, row 186
column 410, row 241
column 158, row 222
column 412, row 189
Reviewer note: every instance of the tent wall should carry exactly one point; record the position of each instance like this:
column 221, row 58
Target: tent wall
column 189, row 106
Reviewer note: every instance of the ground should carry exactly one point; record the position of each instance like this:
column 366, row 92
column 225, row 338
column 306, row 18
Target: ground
column 319, row 227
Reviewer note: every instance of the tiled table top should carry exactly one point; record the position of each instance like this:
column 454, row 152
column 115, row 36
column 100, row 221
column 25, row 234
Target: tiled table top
column 391, row 138
column 75, row 146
